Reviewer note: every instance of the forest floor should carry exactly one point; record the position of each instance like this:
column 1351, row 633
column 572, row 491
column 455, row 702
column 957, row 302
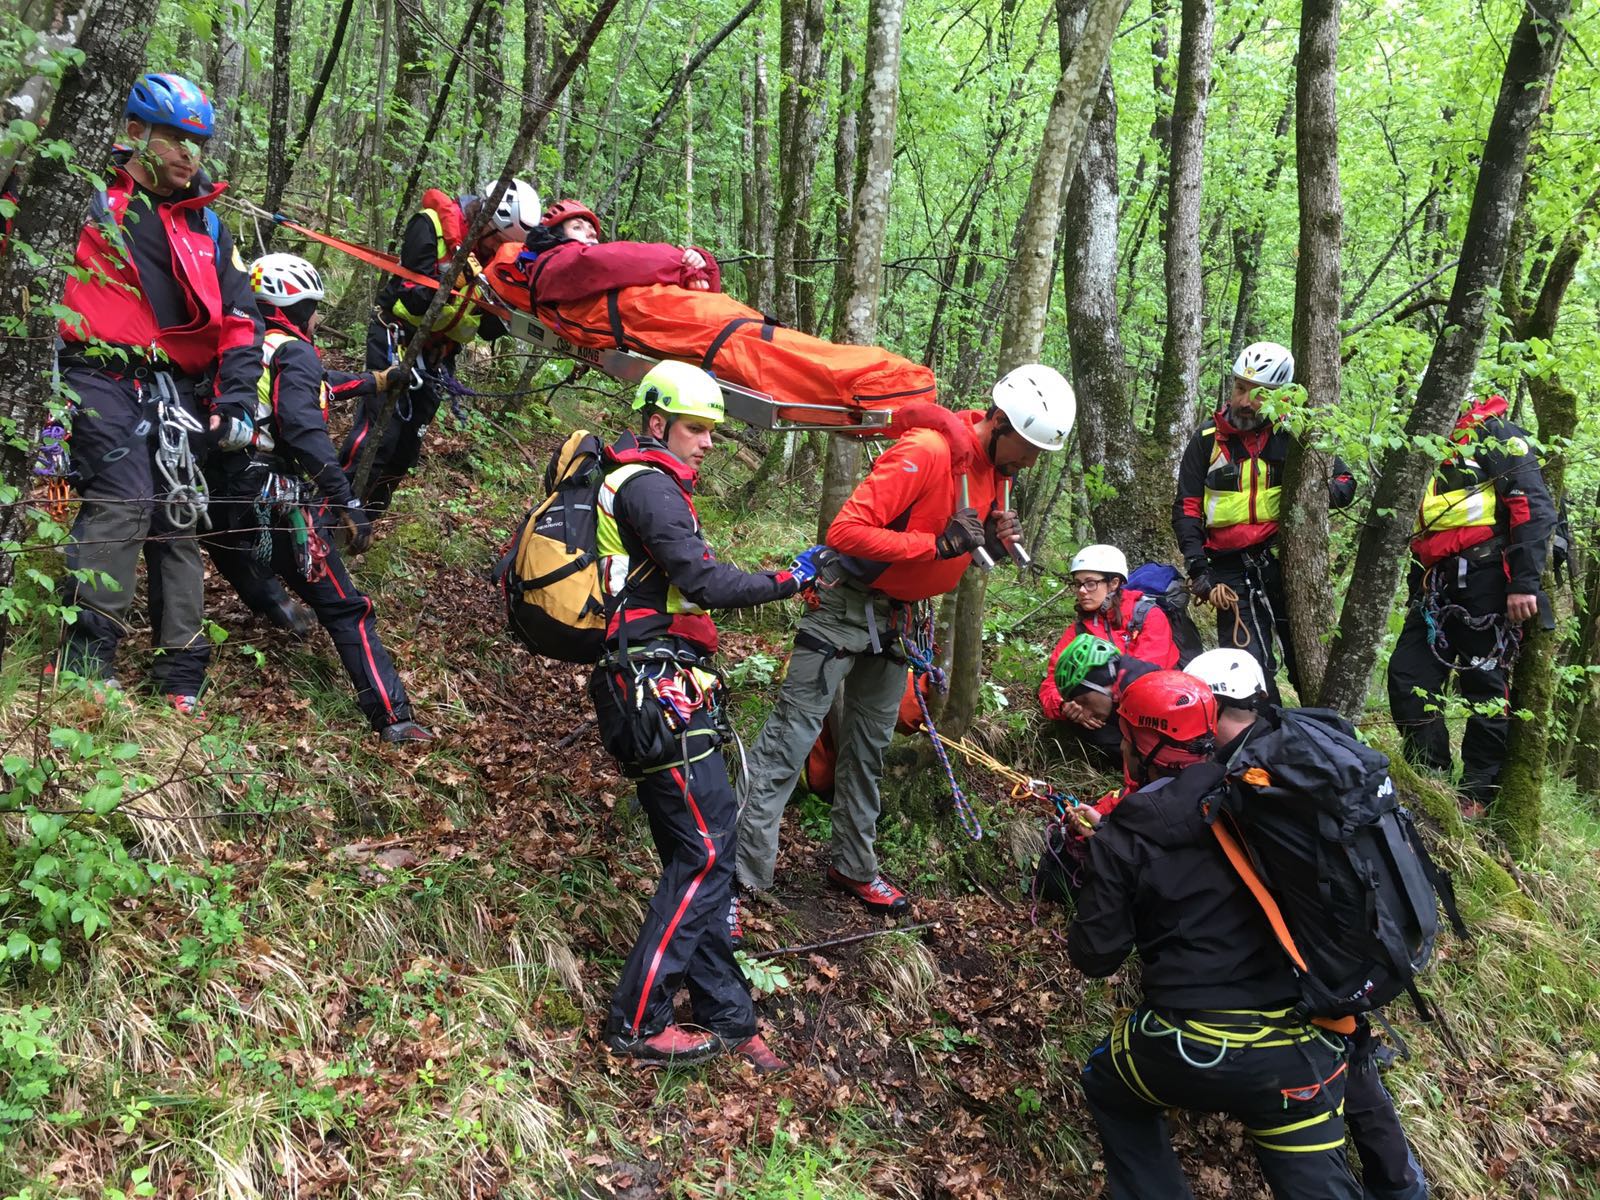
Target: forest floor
column 387, row 978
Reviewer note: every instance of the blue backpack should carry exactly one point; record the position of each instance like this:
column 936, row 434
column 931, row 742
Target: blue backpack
column 1165, row 586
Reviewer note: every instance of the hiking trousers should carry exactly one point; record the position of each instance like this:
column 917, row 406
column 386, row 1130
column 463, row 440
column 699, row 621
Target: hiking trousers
column 1389, row 1167
column 113, row 444
column 1480, row 589
column 685, row 940
column 341, row 607
column 1257, row 576
column 401, row 445
column 833, row 650
column 1285, row 1083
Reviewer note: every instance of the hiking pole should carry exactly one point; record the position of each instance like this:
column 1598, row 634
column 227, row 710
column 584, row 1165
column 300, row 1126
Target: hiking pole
column 980, row 555
column 1019, row 553
column 847, row 940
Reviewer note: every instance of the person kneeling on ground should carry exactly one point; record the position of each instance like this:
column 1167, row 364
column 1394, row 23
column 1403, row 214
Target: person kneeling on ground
column 1089, row 674
column 1389, row 1167
column 1216, row 1030
column 660, row 707
column 279, row 506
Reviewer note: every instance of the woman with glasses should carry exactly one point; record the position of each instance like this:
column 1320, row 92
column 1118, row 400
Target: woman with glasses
column 1131, row 622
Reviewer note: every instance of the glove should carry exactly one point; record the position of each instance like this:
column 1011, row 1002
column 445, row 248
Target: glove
column 1000, row 531
column 356, row 526
column 963, row 535
column 817, row 565
column 386, row 377
column 1200, row 580
column 234, row 433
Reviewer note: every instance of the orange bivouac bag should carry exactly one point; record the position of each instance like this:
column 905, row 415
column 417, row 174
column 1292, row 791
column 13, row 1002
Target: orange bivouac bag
column 732, row 341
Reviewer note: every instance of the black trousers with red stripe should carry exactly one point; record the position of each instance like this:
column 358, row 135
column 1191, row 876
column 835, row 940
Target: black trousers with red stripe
column 401, row 446
column 693, row 815
column 343, row 610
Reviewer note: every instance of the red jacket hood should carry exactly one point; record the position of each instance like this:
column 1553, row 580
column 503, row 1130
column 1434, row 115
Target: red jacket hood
column 632, row 449
column 955, row 427
column 1225, row 427
column 1479, row 412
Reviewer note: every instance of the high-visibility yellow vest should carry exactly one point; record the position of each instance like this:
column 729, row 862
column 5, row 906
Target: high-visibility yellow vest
column 1470, row 504
column 270, row 345
column 1237, row 493
column 616, row 568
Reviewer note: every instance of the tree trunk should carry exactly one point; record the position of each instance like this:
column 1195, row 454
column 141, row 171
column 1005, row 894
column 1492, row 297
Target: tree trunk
column 233, row 20
column 278, row 110
column 1248, row 241
column 87, row 117
column 1587, row 719
column 844, row 165
column 341, row 24
column 1405, row 471
column 1177, row 390
column 800, row 143
column 487, row 95
column 533, row 52
column 1516, row 808
column 761, row 295
column 1028, row 297
column 409, row 99
column 419, row 156
column 869, row 227
column 1317, row 291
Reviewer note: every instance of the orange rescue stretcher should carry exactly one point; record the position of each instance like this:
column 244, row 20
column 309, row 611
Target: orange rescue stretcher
column 772, row 377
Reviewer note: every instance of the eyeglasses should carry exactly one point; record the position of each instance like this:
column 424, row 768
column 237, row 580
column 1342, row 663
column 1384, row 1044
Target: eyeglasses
column 1080, row 585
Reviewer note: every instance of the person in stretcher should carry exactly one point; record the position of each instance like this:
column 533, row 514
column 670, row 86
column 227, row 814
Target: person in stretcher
column 667, row 302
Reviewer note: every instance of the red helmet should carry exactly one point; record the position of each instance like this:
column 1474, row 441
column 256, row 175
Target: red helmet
column 565, row 210
column 1170, row 717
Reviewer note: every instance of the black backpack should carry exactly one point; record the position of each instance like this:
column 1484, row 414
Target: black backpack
column 1165, row 586
column 1311, row 821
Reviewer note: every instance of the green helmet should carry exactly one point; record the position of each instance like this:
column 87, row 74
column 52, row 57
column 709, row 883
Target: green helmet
column 680, row 389
column 1082, row 655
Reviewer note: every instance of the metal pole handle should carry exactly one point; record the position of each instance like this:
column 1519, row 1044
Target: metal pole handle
column 1018, row 552
column 980, row 555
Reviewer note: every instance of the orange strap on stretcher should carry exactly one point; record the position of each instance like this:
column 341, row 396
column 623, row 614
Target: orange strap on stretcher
column 386, row 262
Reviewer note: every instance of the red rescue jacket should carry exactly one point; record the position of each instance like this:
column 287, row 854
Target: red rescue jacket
column 1151, row 642
column 110, row 303
column 890, row 523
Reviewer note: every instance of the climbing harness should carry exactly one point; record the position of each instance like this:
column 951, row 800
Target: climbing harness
column 1436, row 610
column 186, row 500
column 52, row 465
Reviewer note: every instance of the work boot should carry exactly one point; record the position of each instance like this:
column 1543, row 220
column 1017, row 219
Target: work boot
column 879, row 895
column 406, row 731
column 673, row 1044
column 292, row 617
column 735, row 921
column 756, row 1052
column 101, row 689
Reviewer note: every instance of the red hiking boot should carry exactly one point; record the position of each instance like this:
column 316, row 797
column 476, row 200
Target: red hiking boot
column 879, row 895
column 673, row 1044
column 759, row 1055
column 185, row 704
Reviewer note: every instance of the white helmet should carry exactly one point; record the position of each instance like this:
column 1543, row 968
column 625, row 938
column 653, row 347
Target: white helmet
column 1232, row 675
column 1039, row 403
column 284, row 279
column 1265, row 364
column 519, row 207
column 1108, row 560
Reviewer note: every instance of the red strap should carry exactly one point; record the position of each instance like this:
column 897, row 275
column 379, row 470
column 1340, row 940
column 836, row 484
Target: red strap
column 387, row 262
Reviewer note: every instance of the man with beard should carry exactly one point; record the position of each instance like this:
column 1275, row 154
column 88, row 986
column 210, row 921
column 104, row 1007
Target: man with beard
column 1226, row 512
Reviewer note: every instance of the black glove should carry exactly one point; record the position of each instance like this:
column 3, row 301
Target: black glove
column 963, row 535
column 355, row 525
column 1200, row 585
column 1002, row 529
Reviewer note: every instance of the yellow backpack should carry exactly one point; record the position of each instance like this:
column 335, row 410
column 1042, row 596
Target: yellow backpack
column 550, row 573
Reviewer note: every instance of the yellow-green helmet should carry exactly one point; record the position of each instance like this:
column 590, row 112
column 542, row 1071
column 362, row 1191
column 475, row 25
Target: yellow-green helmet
column 680, row 390
column 1083, row 655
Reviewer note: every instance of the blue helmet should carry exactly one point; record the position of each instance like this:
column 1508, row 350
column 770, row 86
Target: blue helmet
column 171, row 100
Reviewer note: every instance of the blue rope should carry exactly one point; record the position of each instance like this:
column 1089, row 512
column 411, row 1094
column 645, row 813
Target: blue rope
column 922, row 665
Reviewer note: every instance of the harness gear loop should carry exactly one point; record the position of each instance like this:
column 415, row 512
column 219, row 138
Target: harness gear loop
column 51, row 465
column 186, row 499
column 1436, row 611
column 916, row 639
